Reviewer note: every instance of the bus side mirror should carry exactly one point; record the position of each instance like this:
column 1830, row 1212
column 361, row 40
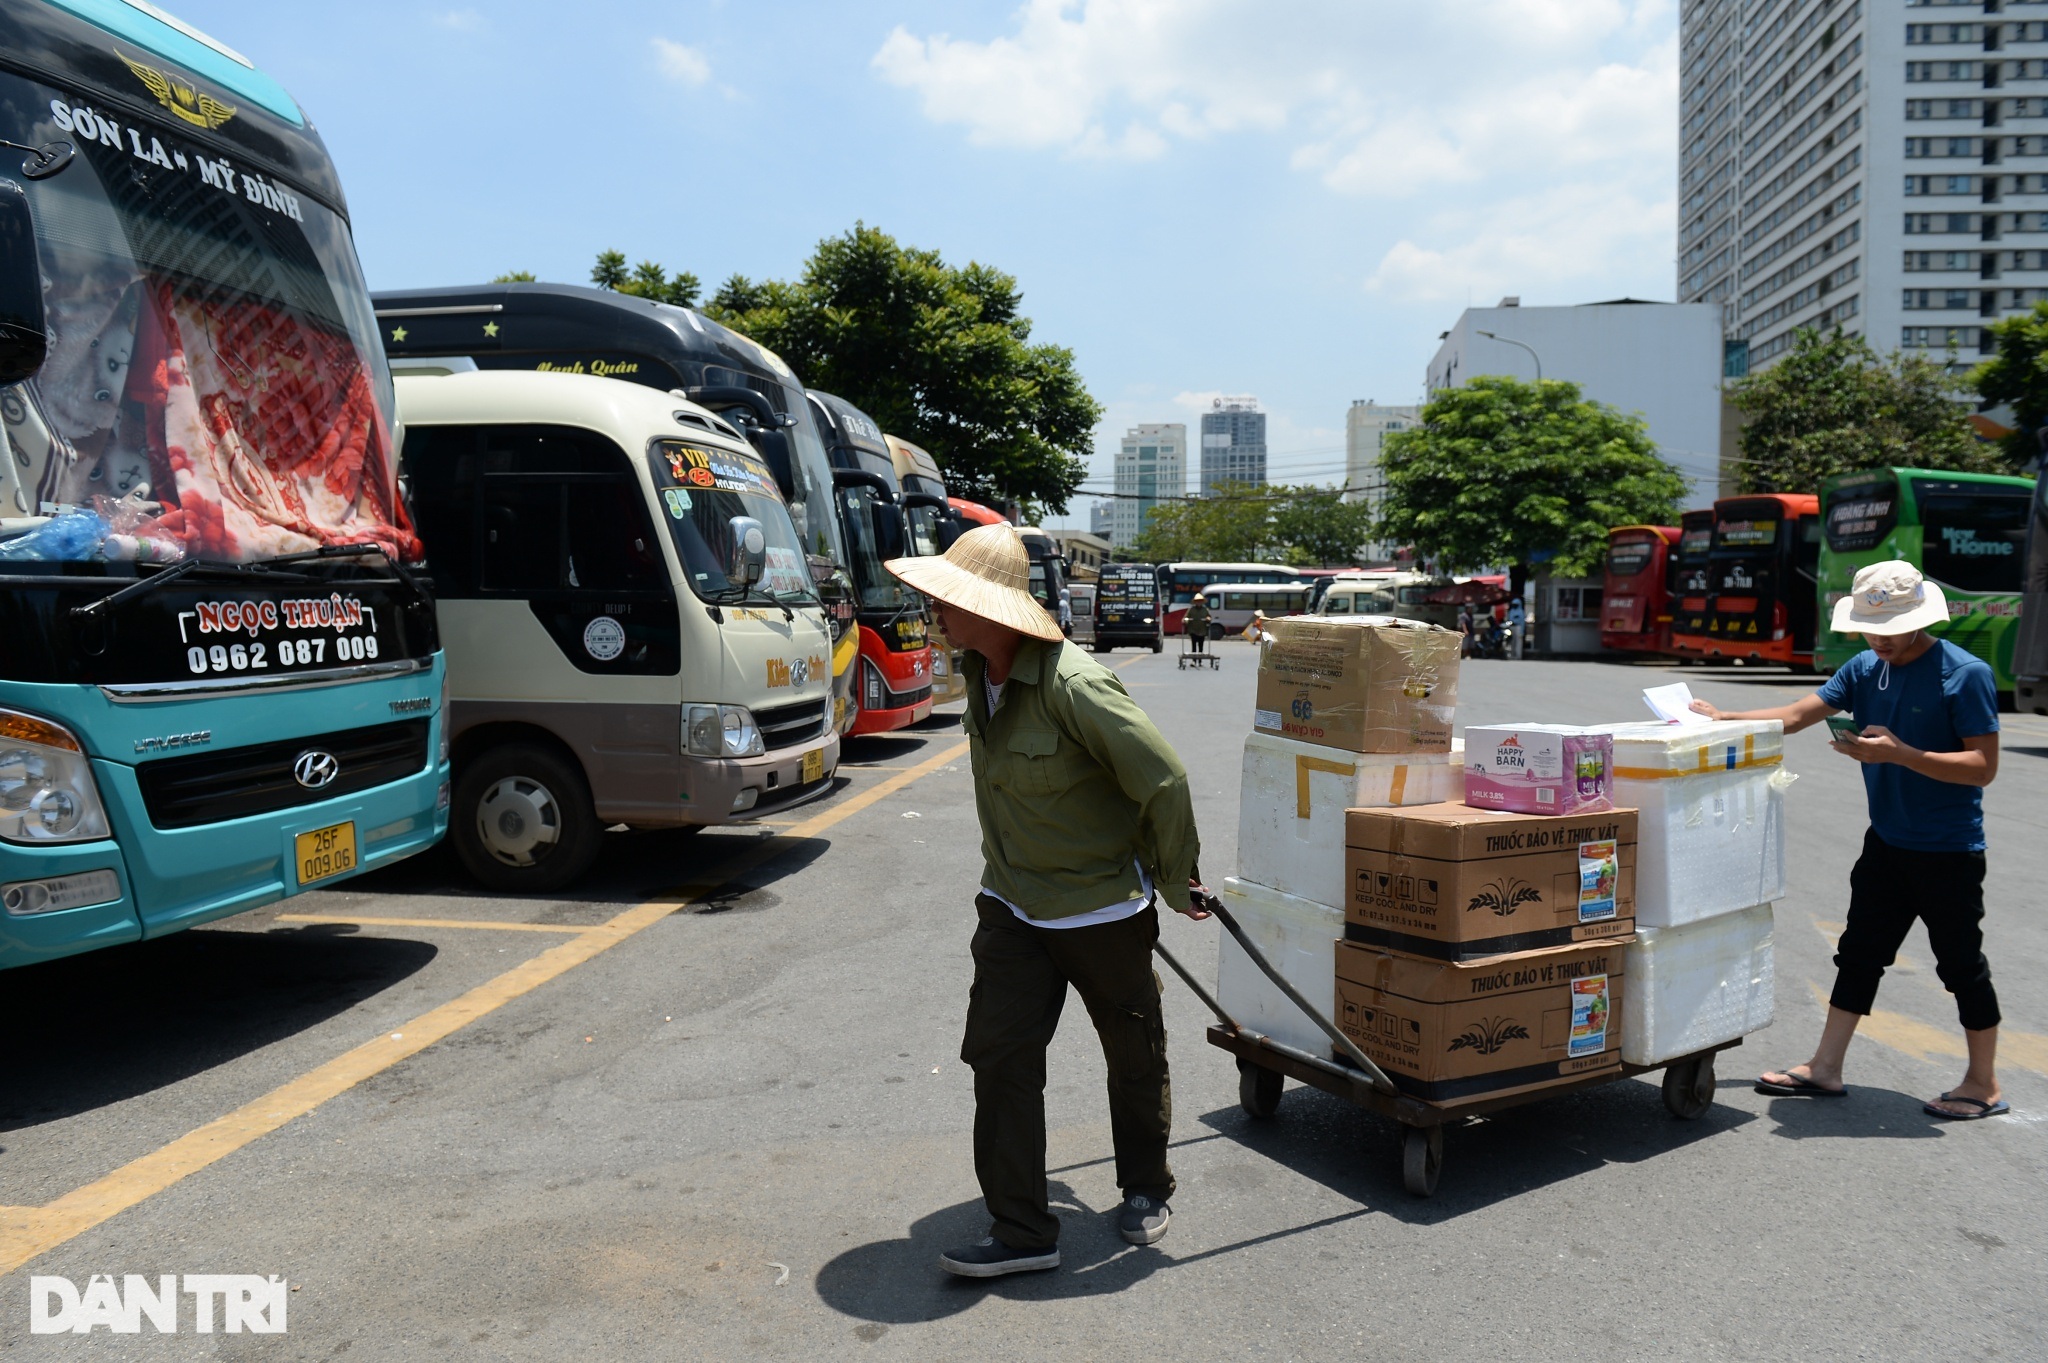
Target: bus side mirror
column 774, row 448
column 888, row 520
column 951, row 529
column 24, row 335
column 749, row 551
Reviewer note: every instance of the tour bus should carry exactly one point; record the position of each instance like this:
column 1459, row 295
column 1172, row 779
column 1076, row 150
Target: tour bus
column 1127, row 608
column 1178, row 583
column 2030, row 649
column 1401, row 594
column 634, row 636
column 1635, row 614
column 1690, row 566
column 1232, row 604
column 1763, row 565
column 895, row 685
column 925, row 512
column 1965, row 531
column 1048, row 567
column 220, row 681
column 565, row 329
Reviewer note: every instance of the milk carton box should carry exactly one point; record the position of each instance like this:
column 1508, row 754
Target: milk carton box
column 1539, row 768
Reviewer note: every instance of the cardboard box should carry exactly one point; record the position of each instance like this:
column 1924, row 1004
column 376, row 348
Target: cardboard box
column 1460, row 1031
column 1539, row 768
column 1365, row 683
column 1455, row 882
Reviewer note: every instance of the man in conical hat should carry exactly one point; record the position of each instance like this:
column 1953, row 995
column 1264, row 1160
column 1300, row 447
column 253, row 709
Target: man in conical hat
column 1086, row 824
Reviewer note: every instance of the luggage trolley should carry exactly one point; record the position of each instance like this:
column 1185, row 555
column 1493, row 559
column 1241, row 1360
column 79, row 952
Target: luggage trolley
column 1264, row 1065
column 1189, row 658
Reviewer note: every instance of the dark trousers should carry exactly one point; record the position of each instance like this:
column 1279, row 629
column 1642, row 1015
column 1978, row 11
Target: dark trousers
column 1021, row 974
column 1888, row 889
column 1198, row 639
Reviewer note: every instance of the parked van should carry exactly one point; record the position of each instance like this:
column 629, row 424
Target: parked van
column 1128, row 608
column 633, row 635
column 1396, row 594
column 1232, row 604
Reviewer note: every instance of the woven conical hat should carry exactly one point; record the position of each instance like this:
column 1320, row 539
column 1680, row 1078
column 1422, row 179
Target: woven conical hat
column 985, row 573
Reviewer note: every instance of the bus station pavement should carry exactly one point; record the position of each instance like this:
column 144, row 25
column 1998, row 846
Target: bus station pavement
column 708, row 1105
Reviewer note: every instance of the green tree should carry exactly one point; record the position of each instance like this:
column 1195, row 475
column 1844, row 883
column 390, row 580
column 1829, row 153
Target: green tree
column 1235, row 525
column 1832, row 405
column 1503, row 471
column 2018, row 374
column 515, row 277
column 645, row 280
column 938, row 354
column 1319, row 528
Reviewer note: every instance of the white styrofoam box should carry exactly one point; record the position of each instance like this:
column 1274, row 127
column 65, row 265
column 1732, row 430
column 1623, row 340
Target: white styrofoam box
column 1711, row 816
column 1696, row 986
column 1291, row 803
column 1300, row 939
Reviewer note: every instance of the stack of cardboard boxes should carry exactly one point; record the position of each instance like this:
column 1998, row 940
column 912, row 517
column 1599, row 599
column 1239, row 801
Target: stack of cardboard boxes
column 1469, row 914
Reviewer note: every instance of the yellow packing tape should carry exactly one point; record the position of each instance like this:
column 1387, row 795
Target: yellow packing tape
column 1303, row 765
column 1749, row 759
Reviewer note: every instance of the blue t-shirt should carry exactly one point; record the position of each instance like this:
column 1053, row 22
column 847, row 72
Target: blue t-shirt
column 1932, row 703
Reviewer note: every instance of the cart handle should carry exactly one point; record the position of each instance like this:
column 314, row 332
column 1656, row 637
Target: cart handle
column 1343, row 1043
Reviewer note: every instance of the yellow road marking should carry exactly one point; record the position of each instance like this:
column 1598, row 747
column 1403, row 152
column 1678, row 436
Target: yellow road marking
column 26, row 1232
column 1901, row 962
column 1924, row 1041
column 429, row 923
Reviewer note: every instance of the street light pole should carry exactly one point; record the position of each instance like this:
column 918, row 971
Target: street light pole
column 1506, row 340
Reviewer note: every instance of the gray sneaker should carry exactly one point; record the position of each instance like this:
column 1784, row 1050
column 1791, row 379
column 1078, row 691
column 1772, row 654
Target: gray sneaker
column 991, row 1258
column 1142, row 1220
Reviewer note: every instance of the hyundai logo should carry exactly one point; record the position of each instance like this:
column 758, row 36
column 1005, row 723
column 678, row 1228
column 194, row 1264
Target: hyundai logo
column 315, row 769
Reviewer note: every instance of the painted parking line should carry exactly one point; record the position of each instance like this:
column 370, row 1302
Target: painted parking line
column 354, row 921
column 26, row 1232
column 1924, row 1041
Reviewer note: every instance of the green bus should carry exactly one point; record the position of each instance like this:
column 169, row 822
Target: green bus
column 1965, row 531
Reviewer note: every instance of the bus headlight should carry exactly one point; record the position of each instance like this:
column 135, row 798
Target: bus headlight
column 721, row 731
column 46, row 787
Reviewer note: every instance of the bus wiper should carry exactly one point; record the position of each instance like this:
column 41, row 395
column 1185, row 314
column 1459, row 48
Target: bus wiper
column 750, row 595
column 325, row 551
column 95, row 609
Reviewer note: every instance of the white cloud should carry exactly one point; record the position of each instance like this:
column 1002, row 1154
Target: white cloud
column 681, row 62
column 1574, row 235
column 460, row 20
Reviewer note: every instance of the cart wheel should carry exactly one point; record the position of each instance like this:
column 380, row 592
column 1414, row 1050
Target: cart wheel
column 1422, row 1159
column 1258, row 1089
column 1689, row 1086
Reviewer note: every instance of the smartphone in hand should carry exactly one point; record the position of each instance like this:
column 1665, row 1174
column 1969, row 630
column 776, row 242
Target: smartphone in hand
column 1841, row 726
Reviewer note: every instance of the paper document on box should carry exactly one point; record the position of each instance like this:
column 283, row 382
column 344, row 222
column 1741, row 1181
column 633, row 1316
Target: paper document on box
column 1673, row 704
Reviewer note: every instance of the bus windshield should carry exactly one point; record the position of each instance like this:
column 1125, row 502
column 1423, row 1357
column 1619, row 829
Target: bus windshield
column 701, row 489
column 1627, row 557
column 870, row 545
column 1973, row 538
column 211, row 338
column 924, row 521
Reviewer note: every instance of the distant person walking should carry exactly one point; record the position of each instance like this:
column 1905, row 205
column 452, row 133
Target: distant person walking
column 1518, row 626
column 1197, row 624
column 1926, row 731
column 1086, row 822
column 1469, row 645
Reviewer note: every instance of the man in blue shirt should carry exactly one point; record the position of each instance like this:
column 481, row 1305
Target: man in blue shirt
column 1926, row 732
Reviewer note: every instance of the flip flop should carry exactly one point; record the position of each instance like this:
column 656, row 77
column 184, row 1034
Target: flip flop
column 1984, row 1109
column 1798, row 1088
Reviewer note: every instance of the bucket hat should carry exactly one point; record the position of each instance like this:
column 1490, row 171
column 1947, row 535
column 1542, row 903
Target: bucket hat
column 985, row 573
column 1890, row 598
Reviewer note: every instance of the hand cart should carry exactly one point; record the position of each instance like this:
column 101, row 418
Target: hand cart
column 1189, row 658
column 1264, row 1065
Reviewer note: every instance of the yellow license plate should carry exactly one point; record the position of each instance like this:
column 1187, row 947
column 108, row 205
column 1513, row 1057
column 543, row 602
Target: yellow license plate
column 814, row 765
column 325, row 852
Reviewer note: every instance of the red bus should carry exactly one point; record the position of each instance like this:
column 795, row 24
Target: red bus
column 1690, row 574
column 1178, row 583
column 1635, row 614
column 1761, row 582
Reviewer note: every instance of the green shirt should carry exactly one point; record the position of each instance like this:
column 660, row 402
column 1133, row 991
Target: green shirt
column 1073, row 784
column 1198, row 615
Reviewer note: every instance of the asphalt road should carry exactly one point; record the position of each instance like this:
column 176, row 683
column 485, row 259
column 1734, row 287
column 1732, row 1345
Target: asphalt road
column 709, row 1106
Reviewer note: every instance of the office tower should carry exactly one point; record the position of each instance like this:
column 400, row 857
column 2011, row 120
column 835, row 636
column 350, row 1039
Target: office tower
column 1151, row 466
column 1102, row 517
column 1873, row 166
column 1366, row 427
column 1233, row 443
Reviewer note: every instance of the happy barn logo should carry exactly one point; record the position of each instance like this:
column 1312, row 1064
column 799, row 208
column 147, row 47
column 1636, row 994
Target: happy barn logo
column 1502, row 897
column 1488, row 1035
column 1508, row 754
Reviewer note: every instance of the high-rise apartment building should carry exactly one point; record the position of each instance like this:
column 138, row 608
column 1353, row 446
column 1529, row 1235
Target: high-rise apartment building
column 1881, row 165
column 1366, row 428
column 1233, row 443
column 1102, row 518
column 1151, row 467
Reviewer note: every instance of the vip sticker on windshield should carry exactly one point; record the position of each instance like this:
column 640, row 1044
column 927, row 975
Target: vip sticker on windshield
column 677, row 500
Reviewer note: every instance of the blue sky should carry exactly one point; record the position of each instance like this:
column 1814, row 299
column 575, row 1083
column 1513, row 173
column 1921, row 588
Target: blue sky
column 1198, row 196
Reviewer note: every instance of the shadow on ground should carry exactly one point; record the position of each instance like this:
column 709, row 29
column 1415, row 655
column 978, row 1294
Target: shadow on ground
column 90, row 1031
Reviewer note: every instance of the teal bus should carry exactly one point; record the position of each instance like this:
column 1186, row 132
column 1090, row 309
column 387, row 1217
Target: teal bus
column 220, row 679
column 1966, row 531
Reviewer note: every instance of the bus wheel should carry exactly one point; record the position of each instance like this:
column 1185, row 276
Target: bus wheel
column 522, row 820
column 1158, row 644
